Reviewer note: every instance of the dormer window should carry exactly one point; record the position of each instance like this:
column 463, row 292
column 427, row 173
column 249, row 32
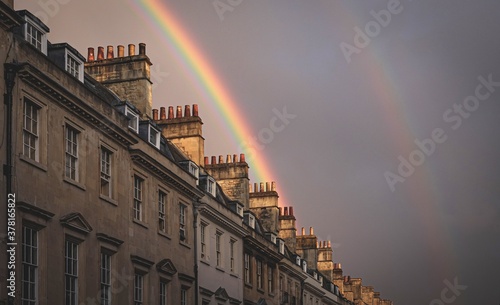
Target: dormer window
column 194, row 170
column 211, row 186
column 251, row 221
column 239, row 210
column 35, row 32
column 74, row 66
column 297, row 260
column 133, row 117
column 154, row 136
column 304, row 266
column 281, row 246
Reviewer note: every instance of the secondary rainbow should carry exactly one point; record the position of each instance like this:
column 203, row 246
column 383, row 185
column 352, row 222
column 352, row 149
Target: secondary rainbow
column 205, row 79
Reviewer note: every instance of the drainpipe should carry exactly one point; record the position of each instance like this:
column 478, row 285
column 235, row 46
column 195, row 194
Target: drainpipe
column 196, row 204
column 10, row 71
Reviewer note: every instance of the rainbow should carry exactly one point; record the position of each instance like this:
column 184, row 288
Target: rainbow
column 161, row 20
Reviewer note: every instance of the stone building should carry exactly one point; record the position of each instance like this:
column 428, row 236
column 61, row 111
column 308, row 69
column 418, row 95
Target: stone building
column 116, row 203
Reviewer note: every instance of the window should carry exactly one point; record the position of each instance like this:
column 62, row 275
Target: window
column 248, row 278
column 30, row 267
column 105, row 279
column 182, row 222
column 34, row 36
column 138, row 198
column 71, row 153
column 259, row 274
column 270, row 282
column 218, row 236
column 281, row 289
column 211, row 186
column 154, row 136
column 231, row 255
column 163, row 293
column 203, row 229
column 106, row 172
column 193, row 169
column 183, row 296
column 162, row 199
column 138, row 289
column 133, row 117
column 30, row 130
column 71, row 273
column 73, row 66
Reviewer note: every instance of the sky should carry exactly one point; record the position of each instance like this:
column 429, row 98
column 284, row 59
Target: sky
column 377, row 119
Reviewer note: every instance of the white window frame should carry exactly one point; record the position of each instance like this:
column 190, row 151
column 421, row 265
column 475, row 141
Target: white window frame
column 183, row 296
column 248, row 268
column 75, row 71
column 203, row 235
column 218, row 248
column 106, row 158
column 43, row 35
column 71, row 272
column 260, row 284
column 105, row 275
column 138, row 198
column 270, row 279
column 162, row 205
column 156, row 134
column 29, row 266
column 182, row 222
column 232, row 259
column 163, row 292
column 194, row 170
column 133, row 117
column 138, row 289
column 211, row 186
column 71, row 160
column 31, row 128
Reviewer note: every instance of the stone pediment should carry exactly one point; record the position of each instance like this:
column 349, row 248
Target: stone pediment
column 166, row 266
column 76, row 221
column 221, row 294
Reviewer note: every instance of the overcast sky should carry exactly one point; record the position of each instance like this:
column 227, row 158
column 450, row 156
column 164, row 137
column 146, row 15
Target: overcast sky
column 363, row 92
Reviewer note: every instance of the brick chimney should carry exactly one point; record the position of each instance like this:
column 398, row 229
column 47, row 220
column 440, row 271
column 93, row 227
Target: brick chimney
column 129, row 77
column 231, row 175
column 288, row 231
column 325, row 259
column 264, row 204
column 184, row 130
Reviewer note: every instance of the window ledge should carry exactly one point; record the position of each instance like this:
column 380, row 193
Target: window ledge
column 137, row 222
column 261, row 290
column 108, row 199
column 205, row 262
column 233, row 274
column 75, row 183
column 161, row 233
column 36, row 164
column 185, row 244
column 220, row 269
column 249, row 285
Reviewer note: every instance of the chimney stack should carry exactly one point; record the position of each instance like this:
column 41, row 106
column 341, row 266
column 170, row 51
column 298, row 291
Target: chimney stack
column 142, row 48
column 121, row 51
column 100, row 53
column 110, row 52
column 131, row 49
column 90, row 56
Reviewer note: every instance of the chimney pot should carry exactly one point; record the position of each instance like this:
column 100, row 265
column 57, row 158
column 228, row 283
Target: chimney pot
column 214, row 160
column 290, row 210
column 286, row 211
column 206, row 160
column 179, row 112
column 242, row 158
column 235, row 158
column 250, row 187
column 111, row 54
column 311, row 231
column 131, row 49
column 187, row 111
column 90, row 56
column 273, row 186
column 221, row 159
column 100, row 53
column 121, row 51
column 281, row 211
column 163, row 115
column 256, row 188
column 303, row 231
column 262, row 186
column 228, row 159
column 170, row 112
column 155, row 114
column 142, row 48
column 195, row 109
column 318, row 244
column 268, row 187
